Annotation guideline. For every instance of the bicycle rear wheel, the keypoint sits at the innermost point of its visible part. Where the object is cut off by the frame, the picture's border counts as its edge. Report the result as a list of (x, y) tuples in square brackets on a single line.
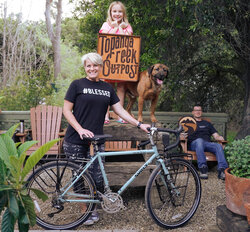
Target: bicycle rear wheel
[(172, 199), (53, 178)]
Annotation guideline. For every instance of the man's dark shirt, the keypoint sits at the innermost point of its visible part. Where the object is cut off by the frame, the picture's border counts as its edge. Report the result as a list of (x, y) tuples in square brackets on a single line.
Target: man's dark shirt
[(204, 130)]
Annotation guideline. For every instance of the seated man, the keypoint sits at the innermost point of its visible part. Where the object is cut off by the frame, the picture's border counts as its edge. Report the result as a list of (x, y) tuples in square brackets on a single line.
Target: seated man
[(200, 141)]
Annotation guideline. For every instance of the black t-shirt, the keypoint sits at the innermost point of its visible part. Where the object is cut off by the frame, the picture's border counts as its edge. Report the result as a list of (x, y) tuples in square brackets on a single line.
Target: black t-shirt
[(91, 100), (204, 130)]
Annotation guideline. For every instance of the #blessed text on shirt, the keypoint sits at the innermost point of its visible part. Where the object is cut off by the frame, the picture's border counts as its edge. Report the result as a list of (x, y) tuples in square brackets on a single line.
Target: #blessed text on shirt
[(99, 92)]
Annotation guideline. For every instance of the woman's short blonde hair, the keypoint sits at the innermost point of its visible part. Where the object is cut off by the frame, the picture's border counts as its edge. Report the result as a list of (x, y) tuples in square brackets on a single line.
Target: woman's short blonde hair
[(109, 19), (95, 58)]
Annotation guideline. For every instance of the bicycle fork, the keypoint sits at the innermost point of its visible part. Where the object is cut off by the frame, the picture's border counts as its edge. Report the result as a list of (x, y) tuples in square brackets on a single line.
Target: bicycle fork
[(167, 180)]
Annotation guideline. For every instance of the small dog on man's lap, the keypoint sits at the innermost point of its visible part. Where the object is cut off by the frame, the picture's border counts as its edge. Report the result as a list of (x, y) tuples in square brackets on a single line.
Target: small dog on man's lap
[(148, 87)]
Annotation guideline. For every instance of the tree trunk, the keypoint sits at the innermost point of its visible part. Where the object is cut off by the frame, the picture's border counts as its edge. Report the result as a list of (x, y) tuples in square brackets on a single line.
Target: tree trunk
[(245, 127), (55, 36), (4, 80)]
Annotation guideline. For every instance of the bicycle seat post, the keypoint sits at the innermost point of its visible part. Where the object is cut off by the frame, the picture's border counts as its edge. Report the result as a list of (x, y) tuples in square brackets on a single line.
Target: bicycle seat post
[(93, 147)]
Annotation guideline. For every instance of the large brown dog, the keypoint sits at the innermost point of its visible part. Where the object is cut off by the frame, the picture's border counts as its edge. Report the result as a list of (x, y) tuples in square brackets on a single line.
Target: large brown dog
[(148, 87)]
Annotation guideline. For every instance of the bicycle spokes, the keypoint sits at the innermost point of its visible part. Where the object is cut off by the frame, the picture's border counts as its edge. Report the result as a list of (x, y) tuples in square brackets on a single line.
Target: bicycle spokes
[(173, 198)]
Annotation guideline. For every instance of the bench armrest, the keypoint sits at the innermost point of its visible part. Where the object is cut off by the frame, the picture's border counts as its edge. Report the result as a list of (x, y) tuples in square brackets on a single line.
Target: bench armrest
[(223, 143), (183, 143)]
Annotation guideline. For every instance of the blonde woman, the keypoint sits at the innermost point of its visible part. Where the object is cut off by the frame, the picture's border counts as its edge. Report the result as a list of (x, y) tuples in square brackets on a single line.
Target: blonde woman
[(85, 105)]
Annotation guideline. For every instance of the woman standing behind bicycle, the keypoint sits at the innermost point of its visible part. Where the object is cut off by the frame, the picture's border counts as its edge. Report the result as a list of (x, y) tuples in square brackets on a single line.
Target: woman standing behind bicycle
[(85, 105)]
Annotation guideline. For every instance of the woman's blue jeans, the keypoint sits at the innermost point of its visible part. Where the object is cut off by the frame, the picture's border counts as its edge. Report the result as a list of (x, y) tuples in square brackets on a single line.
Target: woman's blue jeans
[(200, 146)]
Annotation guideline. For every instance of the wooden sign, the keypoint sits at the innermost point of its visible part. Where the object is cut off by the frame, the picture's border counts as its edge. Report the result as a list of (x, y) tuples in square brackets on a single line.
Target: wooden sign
[(120, 55)]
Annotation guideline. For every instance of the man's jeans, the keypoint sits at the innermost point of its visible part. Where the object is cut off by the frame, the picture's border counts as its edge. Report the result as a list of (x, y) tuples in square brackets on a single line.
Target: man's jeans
[(200, 145)]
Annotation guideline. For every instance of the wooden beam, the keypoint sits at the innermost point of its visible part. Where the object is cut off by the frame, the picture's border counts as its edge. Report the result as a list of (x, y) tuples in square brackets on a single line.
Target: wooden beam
[(119, 172)]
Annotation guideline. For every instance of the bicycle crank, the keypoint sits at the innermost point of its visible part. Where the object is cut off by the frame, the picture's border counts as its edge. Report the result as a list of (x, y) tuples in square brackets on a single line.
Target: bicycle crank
[(112, 202)]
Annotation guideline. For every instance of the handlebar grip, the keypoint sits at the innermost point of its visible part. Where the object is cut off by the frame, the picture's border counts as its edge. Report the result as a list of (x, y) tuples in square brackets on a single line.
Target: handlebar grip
[(143, 143)]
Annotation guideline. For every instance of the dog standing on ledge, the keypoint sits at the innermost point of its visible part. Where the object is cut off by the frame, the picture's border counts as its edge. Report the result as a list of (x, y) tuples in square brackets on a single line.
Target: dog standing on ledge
[(148, 87)]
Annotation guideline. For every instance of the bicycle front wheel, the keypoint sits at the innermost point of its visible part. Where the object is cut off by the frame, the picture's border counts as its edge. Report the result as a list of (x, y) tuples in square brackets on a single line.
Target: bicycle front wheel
[(172, 199), (52, 179)]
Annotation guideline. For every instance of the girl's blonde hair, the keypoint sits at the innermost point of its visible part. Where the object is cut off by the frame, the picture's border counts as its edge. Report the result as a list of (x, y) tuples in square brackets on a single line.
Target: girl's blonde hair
[(109, 19)]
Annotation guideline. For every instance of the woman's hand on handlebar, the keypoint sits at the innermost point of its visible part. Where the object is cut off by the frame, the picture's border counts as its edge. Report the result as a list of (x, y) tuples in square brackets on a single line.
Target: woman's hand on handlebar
[(145, 127), (85, 133)]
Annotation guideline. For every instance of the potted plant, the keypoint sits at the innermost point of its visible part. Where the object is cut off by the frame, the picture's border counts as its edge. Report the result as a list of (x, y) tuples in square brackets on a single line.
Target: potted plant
[(15, 200), (238, 177)]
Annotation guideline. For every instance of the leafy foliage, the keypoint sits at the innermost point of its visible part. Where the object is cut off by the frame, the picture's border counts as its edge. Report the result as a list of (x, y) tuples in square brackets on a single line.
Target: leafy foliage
[(90, 24), (71, 69), (238, 157), (28, 91), (190, 37), (15, 200), (203, 67), (71, 34)]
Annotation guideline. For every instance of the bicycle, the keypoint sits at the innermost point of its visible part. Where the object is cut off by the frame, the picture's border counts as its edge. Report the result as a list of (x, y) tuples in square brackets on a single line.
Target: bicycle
[(172, 194)]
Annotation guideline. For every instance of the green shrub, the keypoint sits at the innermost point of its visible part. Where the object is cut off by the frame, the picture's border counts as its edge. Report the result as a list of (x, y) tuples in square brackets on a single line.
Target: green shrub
[(238, 157), (27, 91), (16, 205)]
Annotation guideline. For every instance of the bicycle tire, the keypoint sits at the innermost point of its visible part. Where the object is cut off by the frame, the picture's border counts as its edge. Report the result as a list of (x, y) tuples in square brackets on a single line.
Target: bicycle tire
[(168, 209), (60, 173)]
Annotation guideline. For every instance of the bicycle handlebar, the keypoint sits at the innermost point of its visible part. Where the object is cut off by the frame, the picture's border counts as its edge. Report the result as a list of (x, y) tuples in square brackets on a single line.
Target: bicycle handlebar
[(154, 129), (177, 135), (177, 132)]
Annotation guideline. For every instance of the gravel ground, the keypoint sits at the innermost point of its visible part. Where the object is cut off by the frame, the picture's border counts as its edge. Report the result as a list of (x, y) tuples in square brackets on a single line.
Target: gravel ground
[(137, 218)]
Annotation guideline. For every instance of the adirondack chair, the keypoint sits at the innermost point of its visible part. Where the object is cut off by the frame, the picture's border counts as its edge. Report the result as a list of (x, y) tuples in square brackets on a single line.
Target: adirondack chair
[(209, 155), (45, 126)]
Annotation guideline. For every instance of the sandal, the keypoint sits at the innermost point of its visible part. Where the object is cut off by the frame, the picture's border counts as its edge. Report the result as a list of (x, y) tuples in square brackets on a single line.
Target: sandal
[(106, 122), (120, 120)]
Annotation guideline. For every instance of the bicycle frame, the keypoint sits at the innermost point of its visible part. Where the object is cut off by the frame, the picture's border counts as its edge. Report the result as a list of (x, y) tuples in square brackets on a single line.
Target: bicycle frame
[(99, 155)]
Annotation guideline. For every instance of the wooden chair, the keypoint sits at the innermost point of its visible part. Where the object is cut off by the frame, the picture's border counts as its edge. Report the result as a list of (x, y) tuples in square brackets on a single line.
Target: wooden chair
[(45, 126), (209, 155)]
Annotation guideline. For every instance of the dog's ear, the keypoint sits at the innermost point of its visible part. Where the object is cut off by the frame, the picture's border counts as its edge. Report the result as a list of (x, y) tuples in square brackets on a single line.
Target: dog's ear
[(150, 69), (167, 73)]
